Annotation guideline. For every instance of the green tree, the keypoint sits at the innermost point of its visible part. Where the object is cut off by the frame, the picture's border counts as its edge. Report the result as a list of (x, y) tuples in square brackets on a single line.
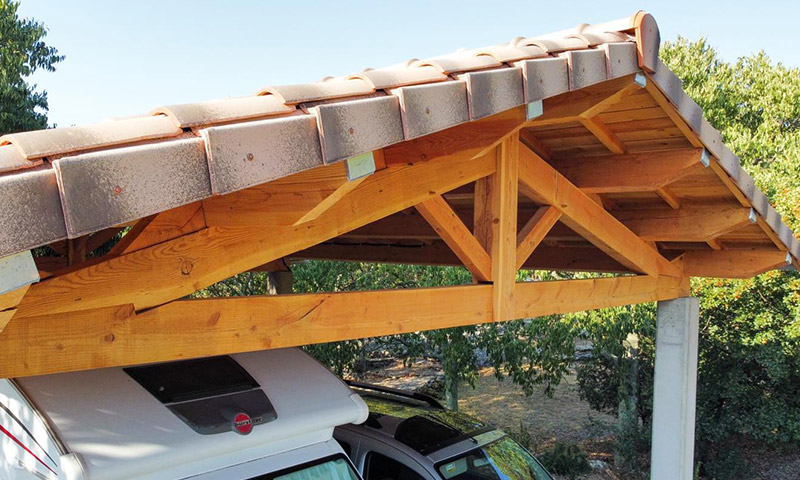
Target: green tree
[(22, 52)]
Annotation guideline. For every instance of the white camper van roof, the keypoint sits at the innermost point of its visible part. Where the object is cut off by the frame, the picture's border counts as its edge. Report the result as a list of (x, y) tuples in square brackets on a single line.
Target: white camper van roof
[(120, 430)]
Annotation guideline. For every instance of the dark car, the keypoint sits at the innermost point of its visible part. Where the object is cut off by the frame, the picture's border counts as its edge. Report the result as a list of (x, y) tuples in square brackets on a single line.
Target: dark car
[(409, 436)]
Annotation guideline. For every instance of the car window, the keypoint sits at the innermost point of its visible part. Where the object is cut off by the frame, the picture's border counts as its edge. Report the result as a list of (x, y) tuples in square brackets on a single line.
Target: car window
[(330, 468), (503, 459), (381, 467)]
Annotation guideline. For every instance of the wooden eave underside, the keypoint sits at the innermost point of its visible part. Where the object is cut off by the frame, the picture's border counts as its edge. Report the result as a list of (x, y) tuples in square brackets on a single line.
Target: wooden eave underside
[(607, 180)]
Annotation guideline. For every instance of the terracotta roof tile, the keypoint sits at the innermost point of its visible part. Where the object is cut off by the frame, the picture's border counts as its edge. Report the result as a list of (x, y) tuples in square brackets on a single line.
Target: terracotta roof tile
[(620, 59), (586, 67), (11, 159), (220, 111), (493, 91), (556, 45), (31, 215), (544, 78), (247, 154), (57, 141), (512, 51), (325, 90), (359, 126), (399, 76), (461, 61), (107, 188), (429, 108)]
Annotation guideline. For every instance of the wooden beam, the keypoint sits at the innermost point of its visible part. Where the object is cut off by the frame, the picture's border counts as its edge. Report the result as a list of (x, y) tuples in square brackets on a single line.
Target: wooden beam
[(501, 210), (173, 269), (5, 318), (13, 298), (281, 202), (545, 185), (601, 131), (689, 224), (669, 196), (536, 299), (534, 231), (585, 103), (116, 336), (457, 236), (639, 172), (96, 240), (731, 263), (474, 138), (160, 228), (583, 258), (330, 200), (77, 250)]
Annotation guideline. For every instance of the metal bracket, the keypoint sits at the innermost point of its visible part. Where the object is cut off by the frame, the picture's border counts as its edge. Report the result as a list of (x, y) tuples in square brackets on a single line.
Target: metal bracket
[(534, 109), (705, 158), (788, 258), (640, 79), (753, 216), (360, 166), (17, 271)]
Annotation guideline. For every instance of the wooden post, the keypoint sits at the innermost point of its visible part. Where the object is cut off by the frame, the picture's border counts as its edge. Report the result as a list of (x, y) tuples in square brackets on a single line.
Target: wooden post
[(496, 224)]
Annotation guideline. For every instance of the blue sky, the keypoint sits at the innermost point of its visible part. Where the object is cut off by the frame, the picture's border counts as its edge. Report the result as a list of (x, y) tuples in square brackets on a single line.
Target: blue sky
[(128, 57)]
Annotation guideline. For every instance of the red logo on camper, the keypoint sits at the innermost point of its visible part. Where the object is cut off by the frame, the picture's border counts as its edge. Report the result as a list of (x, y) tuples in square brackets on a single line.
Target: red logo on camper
[(242, 423)]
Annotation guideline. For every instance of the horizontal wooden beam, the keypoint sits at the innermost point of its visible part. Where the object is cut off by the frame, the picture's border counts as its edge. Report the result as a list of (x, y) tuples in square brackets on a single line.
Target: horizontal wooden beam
[(457, 236), (731, 263), (117, 336), (545, 185), (173, 269), (640, 172), (688, 224)]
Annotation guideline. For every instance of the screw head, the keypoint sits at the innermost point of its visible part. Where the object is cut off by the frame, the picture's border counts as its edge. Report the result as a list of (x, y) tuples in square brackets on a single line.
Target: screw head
[(352, 131), (117, 190), (428, 110), (250, 156)]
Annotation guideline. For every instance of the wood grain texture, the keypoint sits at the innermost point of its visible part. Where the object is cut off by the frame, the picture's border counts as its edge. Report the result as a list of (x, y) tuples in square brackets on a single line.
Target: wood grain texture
[(545, 185), (13, 298), (688, 224), (457, 236), (629, 173), (731, 263), (173, 269), (116, 336), (534, 231), (503, 194)]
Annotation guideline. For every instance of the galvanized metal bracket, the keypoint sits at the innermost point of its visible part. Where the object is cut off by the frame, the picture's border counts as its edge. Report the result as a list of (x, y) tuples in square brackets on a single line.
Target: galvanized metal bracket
[(534, 109), (360, 166), (753, 215), (705, 158), (640, 79), (17, 271)]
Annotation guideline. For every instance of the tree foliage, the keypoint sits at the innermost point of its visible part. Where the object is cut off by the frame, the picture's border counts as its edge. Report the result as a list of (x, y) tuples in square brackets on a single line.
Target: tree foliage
[(22, 52)]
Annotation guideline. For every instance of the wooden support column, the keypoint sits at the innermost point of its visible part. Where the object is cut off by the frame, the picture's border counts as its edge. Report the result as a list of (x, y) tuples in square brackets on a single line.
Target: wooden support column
[(496, 223)]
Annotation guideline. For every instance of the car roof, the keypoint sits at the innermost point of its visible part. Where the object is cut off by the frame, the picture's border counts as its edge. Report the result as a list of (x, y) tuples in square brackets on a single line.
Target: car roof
[(419, 424)]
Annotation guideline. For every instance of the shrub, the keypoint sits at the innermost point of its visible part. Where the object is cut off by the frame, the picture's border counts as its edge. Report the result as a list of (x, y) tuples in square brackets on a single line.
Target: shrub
[(566, 459)]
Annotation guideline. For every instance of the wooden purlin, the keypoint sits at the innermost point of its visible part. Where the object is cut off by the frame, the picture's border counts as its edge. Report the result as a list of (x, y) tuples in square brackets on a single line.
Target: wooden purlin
[(117, 335)]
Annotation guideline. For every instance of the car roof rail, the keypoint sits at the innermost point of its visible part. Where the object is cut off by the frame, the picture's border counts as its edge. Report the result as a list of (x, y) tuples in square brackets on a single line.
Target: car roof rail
[(433, 402)]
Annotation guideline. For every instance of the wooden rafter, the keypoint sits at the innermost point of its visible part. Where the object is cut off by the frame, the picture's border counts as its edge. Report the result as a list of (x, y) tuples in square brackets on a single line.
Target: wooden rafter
[(117, 335), (330, 200), (173, 269), (641, 172), (545, 185), (732, 263), (534, 231), (160, 228), (688, 224), (457, 236), (585, 103), (601, 131)]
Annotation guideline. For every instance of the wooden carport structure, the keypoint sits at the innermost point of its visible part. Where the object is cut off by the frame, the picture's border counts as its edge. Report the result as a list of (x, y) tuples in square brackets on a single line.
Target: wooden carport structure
[(574, 151)]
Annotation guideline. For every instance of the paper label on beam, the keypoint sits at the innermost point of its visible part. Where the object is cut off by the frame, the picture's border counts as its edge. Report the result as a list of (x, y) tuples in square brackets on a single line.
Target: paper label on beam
[(534, 109), (17, 271), (360, 166)]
